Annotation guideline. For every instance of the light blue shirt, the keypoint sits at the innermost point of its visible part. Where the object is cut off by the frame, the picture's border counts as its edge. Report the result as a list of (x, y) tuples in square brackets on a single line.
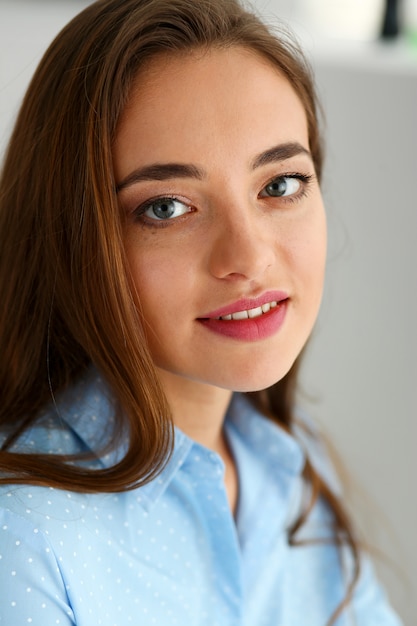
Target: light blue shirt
[(171, 552)]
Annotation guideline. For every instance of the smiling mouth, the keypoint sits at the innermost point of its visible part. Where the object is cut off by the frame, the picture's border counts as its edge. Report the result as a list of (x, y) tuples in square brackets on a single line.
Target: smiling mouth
[(250, 324), (250, 313)]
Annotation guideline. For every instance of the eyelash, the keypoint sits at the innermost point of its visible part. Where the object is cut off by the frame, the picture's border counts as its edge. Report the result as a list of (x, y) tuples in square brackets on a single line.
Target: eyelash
[(304, 179), (139, 212)]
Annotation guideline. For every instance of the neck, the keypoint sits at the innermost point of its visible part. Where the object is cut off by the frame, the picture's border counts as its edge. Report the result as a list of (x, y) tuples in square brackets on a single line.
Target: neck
[(199, 411)]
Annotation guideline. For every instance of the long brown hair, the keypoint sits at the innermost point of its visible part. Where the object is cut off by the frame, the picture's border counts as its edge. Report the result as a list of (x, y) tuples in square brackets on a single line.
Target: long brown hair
[(64, 285)]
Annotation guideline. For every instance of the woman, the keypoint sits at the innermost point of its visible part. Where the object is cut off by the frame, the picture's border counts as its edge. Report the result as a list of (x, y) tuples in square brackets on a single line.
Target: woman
[(163, 247)]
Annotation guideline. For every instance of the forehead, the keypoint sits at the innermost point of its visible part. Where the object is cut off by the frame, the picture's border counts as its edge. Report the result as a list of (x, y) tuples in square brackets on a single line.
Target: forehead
[(204, 101)]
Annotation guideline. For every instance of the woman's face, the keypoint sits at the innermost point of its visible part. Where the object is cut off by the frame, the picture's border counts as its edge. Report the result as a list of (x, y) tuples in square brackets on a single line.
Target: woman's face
[(224, 218)]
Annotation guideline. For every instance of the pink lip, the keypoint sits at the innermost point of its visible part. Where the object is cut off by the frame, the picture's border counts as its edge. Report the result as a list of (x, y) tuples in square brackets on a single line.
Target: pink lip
[(251, 329), (247, 303)]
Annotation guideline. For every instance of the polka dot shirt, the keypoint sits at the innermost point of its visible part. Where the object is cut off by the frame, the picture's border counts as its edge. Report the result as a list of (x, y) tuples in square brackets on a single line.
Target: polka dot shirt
[(171, 553)]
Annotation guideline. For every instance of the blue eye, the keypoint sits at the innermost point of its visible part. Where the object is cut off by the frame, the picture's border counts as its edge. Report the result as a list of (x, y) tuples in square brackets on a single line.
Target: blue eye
[(282, 186), (164, 209)]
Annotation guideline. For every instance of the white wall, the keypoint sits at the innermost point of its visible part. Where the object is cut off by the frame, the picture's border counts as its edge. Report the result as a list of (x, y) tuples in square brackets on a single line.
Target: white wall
[(361, 364), (26, 29)]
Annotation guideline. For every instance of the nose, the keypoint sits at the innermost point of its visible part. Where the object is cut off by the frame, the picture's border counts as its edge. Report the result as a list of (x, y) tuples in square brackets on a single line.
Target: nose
[(242, 245)]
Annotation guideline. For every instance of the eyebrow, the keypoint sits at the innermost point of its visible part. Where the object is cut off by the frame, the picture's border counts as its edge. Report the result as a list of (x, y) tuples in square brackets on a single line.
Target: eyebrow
[(282, 152), (161, 171), (166, 171)]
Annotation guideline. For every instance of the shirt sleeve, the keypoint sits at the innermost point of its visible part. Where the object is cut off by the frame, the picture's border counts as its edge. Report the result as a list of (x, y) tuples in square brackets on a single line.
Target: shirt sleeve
[(32, 589)]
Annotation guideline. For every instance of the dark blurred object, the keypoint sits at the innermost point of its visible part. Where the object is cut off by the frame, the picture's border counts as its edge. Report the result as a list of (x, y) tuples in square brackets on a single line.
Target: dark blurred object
[(391, 22)]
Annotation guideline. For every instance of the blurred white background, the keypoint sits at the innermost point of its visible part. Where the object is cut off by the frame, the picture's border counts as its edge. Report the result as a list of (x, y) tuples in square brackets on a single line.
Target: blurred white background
[(360, 371)]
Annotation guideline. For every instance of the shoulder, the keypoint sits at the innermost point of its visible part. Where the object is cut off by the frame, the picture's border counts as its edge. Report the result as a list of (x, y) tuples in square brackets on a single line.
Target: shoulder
[(40, 507), (54, 524)]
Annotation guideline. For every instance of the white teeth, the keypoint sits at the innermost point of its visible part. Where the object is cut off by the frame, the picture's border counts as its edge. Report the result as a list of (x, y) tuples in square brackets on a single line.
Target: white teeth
[(251, 313), (240, 315)]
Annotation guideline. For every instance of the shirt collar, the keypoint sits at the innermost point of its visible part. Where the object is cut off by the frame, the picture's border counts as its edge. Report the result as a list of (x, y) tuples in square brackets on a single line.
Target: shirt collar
[(88, 409), (266, 438)]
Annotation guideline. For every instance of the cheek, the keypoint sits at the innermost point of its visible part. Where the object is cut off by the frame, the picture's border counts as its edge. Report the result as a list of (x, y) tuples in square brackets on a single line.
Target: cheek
[(159, 274), (306, 251)]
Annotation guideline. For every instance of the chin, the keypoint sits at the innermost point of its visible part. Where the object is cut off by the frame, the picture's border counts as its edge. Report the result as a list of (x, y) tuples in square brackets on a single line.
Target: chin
[(256, 380)]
